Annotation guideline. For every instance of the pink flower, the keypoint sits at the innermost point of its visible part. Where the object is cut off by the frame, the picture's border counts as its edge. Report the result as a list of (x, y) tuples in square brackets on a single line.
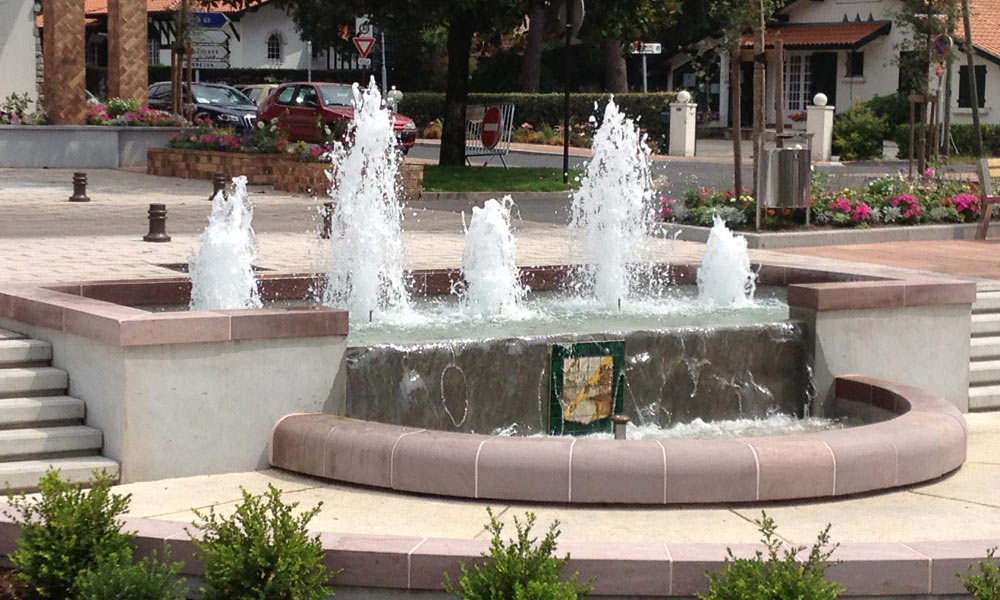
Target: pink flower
[(842, 204), (964, 202), (929, 173), (862, 212)]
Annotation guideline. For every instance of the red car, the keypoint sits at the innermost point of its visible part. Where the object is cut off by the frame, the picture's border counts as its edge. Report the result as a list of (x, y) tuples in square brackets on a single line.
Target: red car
[(302, 105)]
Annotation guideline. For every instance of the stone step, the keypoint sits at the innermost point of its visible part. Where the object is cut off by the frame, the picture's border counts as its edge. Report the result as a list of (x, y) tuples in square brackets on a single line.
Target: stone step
[(32, 381), (24, 474), (982, 348), (986, 324), (24, 351), (40, 411), (987, 302), (985, 397), (6, 334), (982, 372), (41, 441)]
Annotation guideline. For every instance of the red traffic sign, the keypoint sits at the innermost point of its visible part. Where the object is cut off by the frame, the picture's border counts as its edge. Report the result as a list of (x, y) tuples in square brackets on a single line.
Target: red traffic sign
[(364, 45), (942, 45), (939, 71), (491, 127)]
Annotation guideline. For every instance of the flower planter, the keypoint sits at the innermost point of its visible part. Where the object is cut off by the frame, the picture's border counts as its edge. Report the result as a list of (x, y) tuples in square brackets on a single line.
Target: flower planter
[(203, 164), (79, 146), (285, 174)]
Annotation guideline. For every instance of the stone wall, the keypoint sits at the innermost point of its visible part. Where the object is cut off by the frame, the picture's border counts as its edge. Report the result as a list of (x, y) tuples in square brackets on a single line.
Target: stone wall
[(285, 174), (203, 164)]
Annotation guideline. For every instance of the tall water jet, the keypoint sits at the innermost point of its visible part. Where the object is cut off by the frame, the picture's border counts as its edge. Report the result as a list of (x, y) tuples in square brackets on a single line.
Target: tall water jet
[(612, 210), (365, 275), (222, 269), (492, 280), (725, 277)]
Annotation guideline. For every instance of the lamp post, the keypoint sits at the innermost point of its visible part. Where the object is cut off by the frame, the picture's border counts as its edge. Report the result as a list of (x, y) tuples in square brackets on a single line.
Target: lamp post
[(392, 99)]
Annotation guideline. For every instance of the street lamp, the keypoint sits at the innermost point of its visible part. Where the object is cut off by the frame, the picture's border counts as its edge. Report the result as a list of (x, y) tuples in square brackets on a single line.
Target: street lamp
[(392, 99)]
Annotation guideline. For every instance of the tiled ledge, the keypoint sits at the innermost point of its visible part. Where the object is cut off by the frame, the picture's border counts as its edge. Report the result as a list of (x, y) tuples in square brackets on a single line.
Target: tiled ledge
[(926, 440), (109, 312), (881, 294), (660, 569)]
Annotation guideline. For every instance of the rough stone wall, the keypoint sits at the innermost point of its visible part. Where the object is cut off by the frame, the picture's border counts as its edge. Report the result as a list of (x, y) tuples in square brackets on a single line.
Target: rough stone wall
[(65, 71), (128, 54)]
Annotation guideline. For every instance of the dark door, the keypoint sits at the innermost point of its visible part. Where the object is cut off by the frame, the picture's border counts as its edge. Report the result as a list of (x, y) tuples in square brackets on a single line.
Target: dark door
[(746, 96), (824, 76)]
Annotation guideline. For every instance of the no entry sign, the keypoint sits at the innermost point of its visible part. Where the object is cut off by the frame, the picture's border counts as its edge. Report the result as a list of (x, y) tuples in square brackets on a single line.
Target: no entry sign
[(491, 127)]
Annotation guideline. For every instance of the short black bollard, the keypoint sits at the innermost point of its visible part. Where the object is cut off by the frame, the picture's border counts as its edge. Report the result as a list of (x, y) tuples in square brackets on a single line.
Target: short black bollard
[(157, 224), (218, 185), (79, 188), (327, 221)]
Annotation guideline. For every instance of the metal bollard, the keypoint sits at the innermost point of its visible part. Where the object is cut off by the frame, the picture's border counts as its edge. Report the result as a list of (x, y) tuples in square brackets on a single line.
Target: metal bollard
[(327, 221), (79, 188), (620, 424), (157, 224), (218, 185)]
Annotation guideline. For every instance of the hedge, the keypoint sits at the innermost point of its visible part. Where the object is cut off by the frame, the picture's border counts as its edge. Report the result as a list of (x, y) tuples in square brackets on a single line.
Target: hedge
[(961, 135), (547, 109)]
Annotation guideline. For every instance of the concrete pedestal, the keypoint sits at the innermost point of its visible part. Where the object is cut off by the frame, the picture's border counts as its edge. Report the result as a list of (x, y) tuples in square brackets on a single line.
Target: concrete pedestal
[(682, 124), (819, 123)]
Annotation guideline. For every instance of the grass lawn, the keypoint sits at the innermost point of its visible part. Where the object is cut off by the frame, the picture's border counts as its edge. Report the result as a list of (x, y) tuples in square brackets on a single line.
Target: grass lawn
[(496, 179)]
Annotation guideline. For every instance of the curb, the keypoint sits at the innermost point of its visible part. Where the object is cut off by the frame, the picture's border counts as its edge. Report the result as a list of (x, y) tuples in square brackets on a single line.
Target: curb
[(478, 198), (830, 237)]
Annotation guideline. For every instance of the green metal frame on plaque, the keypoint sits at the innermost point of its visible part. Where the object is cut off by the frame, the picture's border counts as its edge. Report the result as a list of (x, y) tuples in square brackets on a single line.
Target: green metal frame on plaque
[(592, 376)]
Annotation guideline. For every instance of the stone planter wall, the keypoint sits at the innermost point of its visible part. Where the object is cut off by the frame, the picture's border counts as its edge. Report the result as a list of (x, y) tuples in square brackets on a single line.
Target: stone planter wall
[(203, 164), (79, 146), (284, 174)]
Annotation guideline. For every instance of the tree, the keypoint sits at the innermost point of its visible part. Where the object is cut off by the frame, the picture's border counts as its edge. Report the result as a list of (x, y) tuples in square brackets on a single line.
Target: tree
[(615, 23), (531, 71)]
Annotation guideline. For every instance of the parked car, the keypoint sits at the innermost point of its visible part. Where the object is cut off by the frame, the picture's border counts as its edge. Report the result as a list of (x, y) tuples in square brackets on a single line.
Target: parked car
[(224, 105), (305, 108), (258, 92)]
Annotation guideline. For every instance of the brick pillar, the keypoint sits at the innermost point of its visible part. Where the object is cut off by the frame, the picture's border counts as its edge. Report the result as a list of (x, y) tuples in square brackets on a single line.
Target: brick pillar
[(65, 70), (128, 54)]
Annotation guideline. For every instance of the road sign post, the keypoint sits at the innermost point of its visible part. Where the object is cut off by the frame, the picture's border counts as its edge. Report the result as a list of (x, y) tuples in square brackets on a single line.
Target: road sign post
[(645, 48)]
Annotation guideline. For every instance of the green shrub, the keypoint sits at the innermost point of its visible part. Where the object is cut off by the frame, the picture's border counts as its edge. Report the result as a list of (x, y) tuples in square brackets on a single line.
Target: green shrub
[(262, 552), (117, 107), (894, 108), (115, 578), (518, 569), (858, 133), (962, 136), (547, 109), (64, 530), (776, 577), (984, 585)]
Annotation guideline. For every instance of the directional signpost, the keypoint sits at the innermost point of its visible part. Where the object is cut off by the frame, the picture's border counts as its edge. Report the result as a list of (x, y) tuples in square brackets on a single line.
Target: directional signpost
[(211, 49), (645, 48)]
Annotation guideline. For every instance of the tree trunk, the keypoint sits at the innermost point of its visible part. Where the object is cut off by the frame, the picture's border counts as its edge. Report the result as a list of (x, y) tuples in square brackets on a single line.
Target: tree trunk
[(531, 72), (460, 32), (615, 73)]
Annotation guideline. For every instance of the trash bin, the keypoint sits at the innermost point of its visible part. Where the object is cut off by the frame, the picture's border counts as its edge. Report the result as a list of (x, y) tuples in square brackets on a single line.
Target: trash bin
[(787, 178)]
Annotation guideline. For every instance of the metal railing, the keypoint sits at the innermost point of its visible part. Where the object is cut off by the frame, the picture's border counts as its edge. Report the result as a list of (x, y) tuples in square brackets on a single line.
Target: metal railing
[(474, 133)]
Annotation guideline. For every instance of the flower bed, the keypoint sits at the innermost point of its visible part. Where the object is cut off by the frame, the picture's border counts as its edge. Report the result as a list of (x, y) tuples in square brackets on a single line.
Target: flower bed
[(887, 201), (203, 164)]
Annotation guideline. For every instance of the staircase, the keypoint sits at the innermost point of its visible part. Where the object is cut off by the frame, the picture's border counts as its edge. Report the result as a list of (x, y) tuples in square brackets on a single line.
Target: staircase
[(40, 426)]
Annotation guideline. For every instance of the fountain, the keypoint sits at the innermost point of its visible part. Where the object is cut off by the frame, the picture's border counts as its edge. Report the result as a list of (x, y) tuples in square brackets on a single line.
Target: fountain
[(492, 280), (222, 269), (725, 277), (612, 210), (366, 247)]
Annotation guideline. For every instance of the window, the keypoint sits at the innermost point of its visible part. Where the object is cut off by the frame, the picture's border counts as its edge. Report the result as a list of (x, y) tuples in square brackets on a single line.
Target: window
[(285, 95), (307, 96), (798, 78), (274, 46), (153, 50), (963, 86), (855, 64)]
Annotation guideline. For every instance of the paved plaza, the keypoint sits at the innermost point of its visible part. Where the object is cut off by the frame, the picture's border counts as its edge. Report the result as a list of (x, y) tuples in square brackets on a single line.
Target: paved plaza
[(44, 238)]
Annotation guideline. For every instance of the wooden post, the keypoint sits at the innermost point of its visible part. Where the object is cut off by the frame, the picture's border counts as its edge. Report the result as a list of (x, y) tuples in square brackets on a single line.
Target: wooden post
[(922, 150), (987, 211), (913, 132), (779, 88), (735, 110)]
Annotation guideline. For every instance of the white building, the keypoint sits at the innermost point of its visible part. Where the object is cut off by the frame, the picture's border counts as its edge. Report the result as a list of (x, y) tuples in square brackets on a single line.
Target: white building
[(17, 49), (852, 49)]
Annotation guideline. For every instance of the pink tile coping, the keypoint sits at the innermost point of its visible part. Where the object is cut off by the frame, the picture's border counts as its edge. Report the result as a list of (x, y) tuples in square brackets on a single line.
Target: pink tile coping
[(924, 440), (111, 311), (657, 568)]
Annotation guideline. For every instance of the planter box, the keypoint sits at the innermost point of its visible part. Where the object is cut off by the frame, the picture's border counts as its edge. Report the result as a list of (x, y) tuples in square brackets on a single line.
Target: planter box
[(284, 174), (79, 146), (203, 164)]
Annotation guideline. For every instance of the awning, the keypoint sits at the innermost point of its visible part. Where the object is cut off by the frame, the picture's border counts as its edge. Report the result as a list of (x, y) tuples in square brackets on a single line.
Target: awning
[(823, 36)]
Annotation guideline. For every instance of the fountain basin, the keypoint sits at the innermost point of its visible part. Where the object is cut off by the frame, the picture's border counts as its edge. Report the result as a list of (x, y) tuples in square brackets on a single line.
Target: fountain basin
[(924, 439), (240, 372)]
